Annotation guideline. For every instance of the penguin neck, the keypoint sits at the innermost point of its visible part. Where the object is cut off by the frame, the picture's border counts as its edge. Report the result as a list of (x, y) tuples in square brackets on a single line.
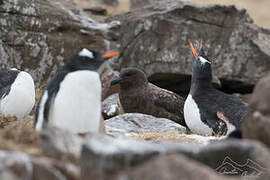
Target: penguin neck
[(200, 81)]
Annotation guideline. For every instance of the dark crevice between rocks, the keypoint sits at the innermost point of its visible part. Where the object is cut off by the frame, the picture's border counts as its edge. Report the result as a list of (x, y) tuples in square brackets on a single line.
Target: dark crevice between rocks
[(180, 84), (231, 86)]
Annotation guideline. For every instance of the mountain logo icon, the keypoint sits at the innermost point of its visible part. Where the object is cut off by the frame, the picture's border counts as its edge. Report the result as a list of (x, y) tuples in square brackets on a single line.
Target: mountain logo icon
[(248, 169)]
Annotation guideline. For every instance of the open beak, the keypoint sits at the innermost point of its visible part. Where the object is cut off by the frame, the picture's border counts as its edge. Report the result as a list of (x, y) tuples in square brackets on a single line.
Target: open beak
[(110, 54), (200, 45), (115, 81), (193, 51)]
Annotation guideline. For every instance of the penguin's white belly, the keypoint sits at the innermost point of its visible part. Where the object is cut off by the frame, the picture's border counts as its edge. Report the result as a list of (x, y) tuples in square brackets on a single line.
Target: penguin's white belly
[(77, 105), (21, 97), (193, 118)]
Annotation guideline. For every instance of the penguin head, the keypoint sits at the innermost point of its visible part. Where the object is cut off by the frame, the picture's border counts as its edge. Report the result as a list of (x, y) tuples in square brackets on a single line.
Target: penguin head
[(201, 64), (130, 78), (87, 59)]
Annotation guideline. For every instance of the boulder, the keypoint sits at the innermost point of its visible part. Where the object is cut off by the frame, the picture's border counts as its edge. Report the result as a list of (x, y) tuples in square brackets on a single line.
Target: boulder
[(99, 156), (61, 145), (156, 39), (171, 167), (111, 106), (38, 36), (17, 165), (104, 157), (134, 123), (256, 124), (139, 3)]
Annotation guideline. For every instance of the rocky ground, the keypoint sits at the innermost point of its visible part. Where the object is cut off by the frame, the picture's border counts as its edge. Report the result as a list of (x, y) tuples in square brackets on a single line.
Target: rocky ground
[(38, 36)]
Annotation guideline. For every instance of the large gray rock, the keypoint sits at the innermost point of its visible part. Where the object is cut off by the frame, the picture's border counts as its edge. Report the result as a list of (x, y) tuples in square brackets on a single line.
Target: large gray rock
[(156, 39), (173, 167), (61, 145), (17, 165), (103, 157), (38, 36), (256, 124), (135, 123)]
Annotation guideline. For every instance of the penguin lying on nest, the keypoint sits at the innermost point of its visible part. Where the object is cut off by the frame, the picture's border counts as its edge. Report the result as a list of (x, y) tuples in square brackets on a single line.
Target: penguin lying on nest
[(208, 111), (72, 99)]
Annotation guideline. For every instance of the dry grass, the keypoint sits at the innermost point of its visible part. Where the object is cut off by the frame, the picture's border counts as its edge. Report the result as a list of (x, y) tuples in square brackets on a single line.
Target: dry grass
[(168, 136), (19, 135), (175, 137), (165, 136)]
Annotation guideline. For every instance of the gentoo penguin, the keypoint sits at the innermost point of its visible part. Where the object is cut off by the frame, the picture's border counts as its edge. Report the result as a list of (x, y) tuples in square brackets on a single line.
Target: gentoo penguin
[(138, 95), (208, 111), (72, 99), (17, 93)]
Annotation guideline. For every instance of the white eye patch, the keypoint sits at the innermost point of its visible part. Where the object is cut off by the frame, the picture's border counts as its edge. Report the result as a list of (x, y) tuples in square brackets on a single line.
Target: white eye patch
[(203, 60), (86, 53)]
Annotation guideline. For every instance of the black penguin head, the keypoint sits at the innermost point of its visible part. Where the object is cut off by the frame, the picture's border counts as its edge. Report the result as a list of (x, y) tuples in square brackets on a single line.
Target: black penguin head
[(87, 59), (201, 64), (130, 78)]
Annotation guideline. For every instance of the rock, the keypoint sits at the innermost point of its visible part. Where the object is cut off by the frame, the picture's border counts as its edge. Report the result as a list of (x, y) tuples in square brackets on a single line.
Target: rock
[(171, 167), (109, 2), (96, 10), (156, 38), (139, 3), (111, 106), (17, 165), (108, 71), (61, 145), (135, 123), (103, 157), (38, 36), (256, 124)]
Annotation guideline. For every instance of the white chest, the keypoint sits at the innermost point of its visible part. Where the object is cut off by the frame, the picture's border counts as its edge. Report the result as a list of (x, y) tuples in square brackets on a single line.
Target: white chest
[(21, 98), (77, 105), (193, 118)]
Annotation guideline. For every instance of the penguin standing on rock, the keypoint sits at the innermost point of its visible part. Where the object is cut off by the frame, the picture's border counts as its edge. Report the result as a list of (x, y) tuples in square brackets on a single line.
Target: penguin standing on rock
[(208, 111), (17, 93), (72, 100)]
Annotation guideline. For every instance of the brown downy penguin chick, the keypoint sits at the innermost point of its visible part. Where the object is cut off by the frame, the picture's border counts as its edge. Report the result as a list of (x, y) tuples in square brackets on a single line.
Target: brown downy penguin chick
[(140, 96)]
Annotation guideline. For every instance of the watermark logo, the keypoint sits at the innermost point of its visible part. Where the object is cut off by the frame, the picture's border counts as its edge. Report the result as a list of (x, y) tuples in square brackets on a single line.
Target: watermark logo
[(248, 169)]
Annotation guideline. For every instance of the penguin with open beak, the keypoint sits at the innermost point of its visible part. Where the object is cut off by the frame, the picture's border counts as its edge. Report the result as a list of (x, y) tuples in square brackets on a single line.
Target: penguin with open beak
[(72, 99), (208, 111)]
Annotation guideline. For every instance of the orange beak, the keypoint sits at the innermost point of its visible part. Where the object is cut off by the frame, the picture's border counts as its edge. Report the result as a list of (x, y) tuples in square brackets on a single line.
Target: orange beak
[(110, 54), (193, 51), (200, 45)]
